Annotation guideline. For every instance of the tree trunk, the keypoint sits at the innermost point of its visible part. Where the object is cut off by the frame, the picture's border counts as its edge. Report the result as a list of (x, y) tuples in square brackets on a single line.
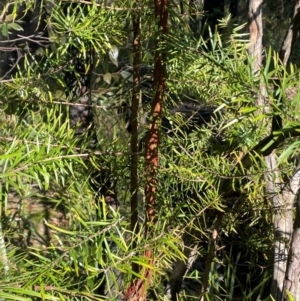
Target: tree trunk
[(256, 35), (283, 202), (292, 278), (282, 224), (275, 190)]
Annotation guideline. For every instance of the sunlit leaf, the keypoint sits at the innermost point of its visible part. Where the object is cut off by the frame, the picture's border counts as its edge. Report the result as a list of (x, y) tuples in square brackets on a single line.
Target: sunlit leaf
[(113, 54), (107, 77)]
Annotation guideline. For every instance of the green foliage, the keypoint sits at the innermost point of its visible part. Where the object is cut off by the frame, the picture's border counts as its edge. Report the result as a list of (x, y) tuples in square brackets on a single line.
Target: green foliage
[(54, 244), (50, 230)]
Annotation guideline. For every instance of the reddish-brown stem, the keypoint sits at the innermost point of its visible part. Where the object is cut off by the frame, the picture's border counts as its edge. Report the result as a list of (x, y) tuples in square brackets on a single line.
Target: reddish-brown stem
[(137, 290), (152, 141)]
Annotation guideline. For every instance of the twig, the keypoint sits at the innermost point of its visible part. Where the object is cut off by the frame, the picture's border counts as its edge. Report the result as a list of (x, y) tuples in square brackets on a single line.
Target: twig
[(211, 254)]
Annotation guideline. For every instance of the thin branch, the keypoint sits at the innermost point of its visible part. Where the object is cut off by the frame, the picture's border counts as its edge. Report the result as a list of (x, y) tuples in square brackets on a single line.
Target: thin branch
[(211, 254), (134, 129), (30, 38)]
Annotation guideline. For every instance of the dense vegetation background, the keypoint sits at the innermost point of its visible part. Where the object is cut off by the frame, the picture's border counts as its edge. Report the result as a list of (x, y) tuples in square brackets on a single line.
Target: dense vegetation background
[(186, 114)]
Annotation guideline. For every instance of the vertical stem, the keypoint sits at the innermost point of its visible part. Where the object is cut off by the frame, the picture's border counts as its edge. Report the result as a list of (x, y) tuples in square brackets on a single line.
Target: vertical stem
[(137, 290), (152, 141), (134, 127), (153, 137)]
